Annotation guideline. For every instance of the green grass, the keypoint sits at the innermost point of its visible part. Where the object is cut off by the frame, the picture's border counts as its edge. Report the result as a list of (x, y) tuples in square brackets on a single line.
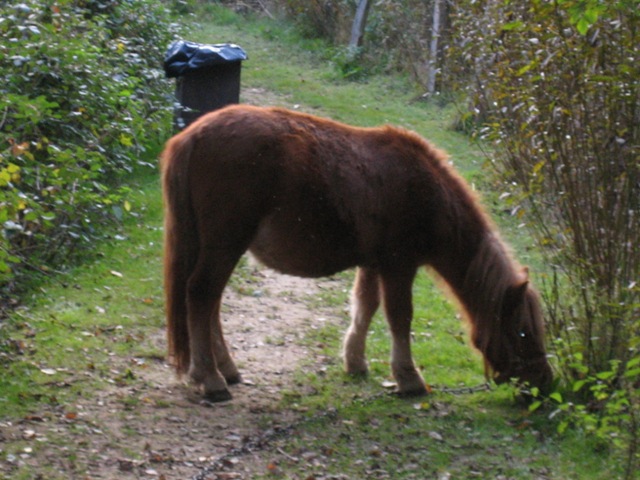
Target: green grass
[(62, 338), (93, 311), (392, 438)]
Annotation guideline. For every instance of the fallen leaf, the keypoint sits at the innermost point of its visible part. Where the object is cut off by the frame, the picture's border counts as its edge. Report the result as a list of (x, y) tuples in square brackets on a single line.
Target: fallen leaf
[(115, 273), (375, 452), (48, 371), (524, 425), (34, 418)]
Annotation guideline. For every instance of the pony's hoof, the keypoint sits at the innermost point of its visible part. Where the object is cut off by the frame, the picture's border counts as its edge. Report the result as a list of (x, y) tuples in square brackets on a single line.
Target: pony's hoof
[(356, 367), (413, 392), (234, 379), (357, 372), (217, 396)]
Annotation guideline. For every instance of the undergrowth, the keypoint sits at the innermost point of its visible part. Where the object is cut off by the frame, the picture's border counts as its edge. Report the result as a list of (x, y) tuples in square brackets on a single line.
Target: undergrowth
[(82, 98)]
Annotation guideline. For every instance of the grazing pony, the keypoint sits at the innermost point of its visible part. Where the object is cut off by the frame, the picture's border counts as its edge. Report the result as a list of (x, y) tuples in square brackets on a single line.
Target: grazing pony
[(311, 197)]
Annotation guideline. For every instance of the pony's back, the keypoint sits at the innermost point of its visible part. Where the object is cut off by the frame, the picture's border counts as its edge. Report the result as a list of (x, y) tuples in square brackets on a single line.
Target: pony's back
[(311, 185)]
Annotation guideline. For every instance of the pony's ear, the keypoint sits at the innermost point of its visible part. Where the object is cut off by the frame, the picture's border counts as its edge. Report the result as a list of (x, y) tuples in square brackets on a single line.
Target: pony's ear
[(518, 291), (515, 295)]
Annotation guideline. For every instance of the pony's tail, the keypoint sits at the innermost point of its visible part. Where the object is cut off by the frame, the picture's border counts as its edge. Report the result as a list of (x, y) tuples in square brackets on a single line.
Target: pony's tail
[(180, 247)]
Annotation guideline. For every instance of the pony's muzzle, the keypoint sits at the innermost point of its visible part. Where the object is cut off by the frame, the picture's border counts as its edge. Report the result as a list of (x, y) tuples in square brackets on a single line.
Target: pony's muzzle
[(534, 374)]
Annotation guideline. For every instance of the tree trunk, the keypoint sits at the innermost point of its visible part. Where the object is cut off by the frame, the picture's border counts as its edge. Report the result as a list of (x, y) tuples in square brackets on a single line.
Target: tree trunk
[(433, 50), (359, 23)]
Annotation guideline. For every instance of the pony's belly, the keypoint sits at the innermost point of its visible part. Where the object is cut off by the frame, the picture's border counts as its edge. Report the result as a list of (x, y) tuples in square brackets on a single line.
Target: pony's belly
[(302, 251)]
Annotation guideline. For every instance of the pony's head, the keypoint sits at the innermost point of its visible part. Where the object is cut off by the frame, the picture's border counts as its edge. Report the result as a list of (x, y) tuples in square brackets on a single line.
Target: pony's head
[(513, 347)]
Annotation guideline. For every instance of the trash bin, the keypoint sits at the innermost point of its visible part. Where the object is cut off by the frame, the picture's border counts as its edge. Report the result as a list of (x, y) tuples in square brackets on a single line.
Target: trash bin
[(207, 78)]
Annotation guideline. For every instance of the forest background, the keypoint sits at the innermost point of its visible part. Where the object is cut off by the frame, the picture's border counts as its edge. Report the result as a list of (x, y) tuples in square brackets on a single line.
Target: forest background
[(550, 89)]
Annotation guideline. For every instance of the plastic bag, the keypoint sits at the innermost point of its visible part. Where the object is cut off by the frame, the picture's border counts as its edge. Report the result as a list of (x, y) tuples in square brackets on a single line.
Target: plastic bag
[(183, 57)]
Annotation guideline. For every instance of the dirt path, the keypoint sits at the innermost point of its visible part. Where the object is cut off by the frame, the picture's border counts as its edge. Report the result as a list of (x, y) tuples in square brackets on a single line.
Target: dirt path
[(150, 425)]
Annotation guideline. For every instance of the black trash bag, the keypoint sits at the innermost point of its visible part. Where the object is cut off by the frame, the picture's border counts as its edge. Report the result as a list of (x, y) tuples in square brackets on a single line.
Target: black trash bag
[(184, 57)]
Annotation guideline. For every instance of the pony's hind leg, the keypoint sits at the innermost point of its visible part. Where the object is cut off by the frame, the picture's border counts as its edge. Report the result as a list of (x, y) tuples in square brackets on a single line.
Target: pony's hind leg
[(225, 363), (396, 291), (208, 350), (365, 299)]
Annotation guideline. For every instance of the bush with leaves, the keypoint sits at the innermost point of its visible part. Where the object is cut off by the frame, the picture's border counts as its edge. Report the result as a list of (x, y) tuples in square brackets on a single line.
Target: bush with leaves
[(82, 97), (320, 18), (556, 87)]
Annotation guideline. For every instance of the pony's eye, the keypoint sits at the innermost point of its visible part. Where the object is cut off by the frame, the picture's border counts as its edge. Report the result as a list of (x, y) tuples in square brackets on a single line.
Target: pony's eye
[(522, 334)]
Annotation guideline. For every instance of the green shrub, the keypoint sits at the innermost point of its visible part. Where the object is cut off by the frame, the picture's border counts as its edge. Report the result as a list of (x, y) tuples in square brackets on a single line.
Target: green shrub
[(554, 86), (82, 97), (330, 20)]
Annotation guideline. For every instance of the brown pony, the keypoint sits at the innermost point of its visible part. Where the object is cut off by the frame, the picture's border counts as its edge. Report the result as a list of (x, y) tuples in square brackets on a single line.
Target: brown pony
[(311, 197)]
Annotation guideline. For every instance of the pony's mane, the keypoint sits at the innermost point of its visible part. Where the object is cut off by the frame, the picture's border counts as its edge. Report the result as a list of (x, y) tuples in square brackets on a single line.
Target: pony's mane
[(490, 274), (492, 269)]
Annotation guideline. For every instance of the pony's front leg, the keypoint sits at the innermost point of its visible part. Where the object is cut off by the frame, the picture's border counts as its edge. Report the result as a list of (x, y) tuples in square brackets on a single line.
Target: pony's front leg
[(396, 290), (365, 299)]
